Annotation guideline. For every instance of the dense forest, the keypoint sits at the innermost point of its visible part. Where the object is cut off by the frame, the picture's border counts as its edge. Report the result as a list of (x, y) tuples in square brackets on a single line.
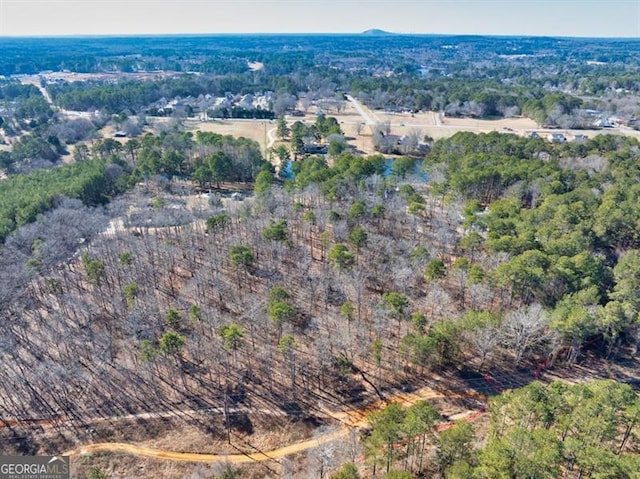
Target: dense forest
[(227, 54), (541, 431)]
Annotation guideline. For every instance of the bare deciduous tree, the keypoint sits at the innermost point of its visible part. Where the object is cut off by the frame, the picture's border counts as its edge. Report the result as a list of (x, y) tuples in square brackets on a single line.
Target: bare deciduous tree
[(524, 329)]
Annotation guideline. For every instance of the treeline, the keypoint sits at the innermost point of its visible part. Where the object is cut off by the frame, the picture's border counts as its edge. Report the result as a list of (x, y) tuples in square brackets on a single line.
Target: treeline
[(31, 149), (333, 181), (142, 96), (129, 95), (108, 168), (456, 96), (205, 158), (10, 91), (244, 113), (100, 54), (24, 197), (542, 431), (22, 107), (39, 136), (42, 146), (465, 96)]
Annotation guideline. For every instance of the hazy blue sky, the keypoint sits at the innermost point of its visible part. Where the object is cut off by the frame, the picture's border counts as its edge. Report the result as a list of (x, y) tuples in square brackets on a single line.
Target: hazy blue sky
[(610, 18)]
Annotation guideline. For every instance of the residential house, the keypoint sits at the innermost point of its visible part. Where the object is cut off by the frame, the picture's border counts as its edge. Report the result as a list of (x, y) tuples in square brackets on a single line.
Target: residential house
[(556, 138)]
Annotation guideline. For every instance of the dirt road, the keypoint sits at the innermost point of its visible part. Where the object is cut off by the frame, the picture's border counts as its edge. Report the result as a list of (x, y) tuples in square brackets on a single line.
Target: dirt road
[(210, 458), (350, 420), (360, 109), (35, 80), (271, 137)]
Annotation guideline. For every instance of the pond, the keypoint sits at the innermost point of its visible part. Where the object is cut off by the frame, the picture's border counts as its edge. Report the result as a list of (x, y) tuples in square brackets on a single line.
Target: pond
[(286, 173), (417, 170)]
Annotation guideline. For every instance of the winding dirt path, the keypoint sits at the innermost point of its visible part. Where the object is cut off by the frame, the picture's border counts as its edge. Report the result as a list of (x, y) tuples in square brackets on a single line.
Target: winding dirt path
[(271, 137), (349, 419)]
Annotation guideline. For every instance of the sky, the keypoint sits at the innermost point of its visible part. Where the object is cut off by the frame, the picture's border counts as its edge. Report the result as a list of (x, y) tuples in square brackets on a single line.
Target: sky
[(582, 18)]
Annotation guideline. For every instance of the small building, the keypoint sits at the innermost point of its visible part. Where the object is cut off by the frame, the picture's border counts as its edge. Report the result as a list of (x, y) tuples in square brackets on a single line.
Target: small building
[(604, 123), (315, 149), (533, 134), (580, 138), (556, 138)]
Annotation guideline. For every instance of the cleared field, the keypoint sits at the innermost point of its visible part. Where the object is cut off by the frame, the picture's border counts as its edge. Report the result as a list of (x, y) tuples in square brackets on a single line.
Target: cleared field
[(75, 76), (253, 129)]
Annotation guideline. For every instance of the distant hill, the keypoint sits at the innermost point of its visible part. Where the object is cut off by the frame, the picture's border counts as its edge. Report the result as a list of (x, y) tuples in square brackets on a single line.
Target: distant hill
[(376, 32)]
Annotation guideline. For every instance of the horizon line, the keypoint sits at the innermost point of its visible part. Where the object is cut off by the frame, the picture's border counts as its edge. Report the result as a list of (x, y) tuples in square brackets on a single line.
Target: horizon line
[(374, 33)]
